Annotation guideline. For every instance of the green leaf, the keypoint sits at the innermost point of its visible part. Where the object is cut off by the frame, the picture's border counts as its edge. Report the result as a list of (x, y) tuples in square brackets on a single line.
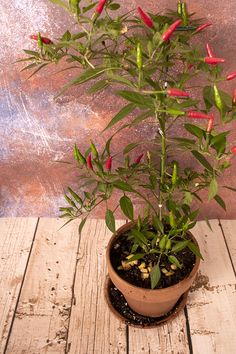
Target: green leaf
[(31, 52), (213, 189), (75, 196), (81, 225), (175, 261), (110, 221), (89, 7), (136, 257), (157, 224), (188, 198), (123, 186), (130, 147), (185, 142), (155, 276), (127, 207), (179, 246), (208, 223), (208, 96), (69, 201), (139, 236), (194, 130), (137, 98), (37, 70), (218, 142), (220, 201), (113, 7), (203, 161), (141, 117), (60, 3), (195, 249), (99, 86), (87, 75), (121, 115)]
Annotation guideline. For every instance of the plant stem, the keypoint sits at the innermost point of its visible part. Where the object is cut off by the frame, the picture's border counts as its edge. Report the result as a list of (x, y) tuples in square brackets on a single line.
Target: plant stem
[(163, 160)]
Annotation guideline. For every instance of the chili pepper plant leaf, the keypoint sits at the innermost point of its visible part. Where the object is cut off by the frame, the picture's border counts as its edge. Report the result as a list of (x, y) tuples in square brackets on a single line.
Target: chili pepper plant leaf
[(155, 276), (110, 221), (213, 189), (127, 207), (124, 112)]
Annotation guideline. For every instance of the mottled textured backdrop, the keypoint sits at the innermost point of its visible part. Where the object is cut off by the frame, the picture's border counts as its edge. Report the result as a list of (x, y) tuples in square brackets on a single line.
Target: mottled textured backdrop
[(36, 131)]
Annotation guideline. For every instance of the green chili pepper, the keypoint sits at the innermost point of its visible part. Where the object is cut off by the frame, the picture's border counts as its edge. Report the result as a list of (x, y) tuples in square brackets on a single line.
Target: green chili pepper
[(172, 219), (184, 13), (93, 149), (78, 156), (218, 100), (168, 245), (139, 56), (174, 173), (179, 8), (162, 242), (40, 42), (127, 161)]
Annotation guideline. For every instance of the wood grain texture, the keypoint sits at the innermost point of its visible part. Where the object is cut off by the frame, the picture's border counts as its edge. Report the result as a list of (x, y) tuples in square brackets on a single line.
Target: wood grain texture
[(42, 316), (93, 328), (16, 237), (229, 230), (170, 338), (211, 304)]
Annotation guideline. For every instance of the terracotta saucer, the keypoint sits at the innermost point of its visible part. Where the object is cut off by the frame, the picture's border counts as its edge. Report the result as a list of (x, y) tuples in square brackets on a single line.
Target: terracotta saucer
[(148, 322)]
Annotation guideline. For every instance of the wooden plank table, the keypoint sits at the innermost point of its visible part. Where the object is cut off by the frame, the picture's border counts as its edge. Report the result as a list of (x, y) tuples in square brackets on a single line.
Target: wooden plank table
[(51, 294)]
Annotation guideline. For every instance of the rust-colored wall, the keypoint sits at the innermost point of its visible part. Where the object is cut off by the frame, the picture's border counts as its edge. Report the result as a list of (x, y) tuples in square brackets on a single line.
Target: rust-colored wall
[(36, 131)]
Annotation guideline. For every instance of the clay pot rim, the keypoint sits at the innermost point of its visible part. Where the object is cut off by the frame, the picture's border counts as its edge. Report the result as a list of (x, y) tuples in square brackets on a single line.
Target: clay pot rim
[(162, 291)]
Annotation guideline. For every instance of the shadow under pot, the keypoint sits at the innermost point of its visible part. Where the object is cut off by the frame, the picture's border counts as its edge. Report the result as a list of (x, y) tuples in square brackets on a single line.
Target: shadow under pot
[(149, 302)]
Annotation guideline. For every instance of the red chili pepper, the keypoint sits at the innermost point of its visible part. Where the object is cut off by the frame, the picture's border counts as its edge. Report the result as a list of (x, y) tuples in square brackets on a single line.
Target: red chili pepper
[(210, 124), (197, 115), (146, 19), (209, 51), (89, 162), (174, 92), (233, 150), (139, 158), (213, 61), (100, 6), (231, 76), (109, 163), (45, 40), (170, 30), (202, 27)]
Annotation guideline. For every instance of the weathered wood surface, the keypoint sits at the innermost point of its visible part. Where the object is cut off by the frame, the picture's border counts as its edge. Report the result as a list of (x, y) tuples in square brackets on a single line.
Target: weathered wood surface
[(57, 303), (212, 301), (42, 317), (229, 232), (93, 329), (16, 237)]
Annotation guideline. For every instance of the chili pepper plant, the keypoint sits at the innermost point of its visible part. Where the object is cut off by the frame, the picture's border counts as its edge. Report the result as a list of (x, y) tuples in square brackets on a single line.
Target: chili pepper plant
[(152, 61)]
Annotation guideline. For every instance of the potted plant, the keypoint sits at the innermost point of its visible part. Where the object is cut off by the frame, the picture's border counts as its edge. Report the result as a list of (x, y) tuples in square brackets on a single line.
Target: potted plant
[(154, 60)]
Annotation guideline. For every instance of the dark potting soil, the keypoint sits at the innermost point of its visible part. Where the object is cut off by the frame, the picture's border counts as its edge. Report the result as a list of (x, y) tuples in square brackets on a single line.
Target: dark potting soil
[(131, 317), (122, 248)]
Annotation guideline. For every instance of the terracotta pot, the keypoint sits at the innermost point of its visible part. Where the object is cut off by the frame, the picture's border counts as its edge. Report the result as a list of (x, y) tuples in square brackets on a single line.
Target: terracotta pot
[(148, 302)]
